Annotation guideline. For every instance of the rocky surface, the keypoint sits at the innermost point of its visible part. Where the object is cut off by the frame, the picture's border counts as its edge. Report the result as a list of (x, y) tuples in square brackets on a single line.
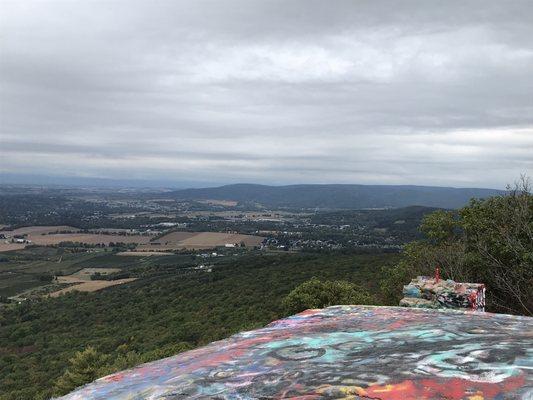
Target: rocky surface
[(355, 352)]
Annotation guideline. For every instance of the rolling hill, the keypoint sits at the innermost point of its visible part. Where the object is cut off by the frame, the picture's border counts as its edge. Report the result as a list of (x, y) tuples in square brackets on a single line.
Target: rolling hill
[(338, 196)]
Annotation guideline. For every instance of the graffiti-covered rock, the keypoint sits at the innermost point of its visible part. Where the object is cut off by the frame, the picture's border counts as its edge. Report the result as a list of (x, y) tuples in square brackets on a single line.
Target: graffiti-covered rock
[(355, 352), (427, 292)]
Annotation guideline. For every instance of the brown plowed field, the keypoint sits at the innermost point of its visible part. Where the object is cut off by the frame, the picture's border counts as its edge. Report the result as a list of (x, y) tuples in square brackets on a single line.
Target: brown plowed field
[(38, 230), (88, 286), (11, 246), (39, 235), (199, 240), (89, 238), (174, 237)]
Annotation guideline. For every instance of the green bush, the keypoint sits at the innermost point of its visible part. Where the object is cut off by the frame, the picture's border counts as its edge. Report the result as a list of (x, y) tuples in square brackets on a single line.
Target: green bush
[(319, 294), (84, 368), (489, 241)]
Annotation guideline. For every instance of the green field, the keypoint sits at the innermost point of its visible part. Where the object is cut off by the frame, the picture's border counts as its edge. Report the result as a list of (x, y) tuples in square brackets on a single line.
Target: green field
[(23, 269)]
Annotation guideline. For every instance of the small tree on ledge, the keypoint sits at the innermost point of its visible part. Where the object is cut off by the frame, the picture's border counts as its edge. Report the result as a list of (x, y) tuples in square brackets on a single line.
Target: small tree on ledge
[(317, 294)]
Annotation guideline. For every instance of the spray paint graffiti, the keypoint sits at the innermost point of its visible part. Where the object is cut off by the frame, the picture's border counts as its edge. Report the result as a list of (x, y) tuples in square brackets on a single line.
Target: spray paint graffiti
[(352, 352), (427, 292)]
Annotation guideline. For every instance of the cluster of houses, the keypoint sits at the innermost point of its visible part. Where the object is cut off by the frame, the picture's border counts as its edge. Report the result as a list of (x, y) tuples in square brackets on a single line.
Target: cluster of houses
[(19, 239)]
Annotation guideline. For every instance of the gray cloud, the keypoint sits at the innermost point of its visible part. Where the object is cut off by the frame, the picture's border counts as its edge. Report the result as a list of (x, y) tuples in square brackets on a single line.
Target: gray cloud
[(269, 91)]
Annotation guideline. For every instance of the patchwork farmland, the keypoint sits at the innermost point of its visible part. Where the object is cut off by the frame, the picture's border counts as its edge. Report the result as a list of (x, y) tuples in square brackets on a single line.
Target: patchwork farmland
[(54, 235), (81, 281), (35, 272), (200, 240), (34, 255)]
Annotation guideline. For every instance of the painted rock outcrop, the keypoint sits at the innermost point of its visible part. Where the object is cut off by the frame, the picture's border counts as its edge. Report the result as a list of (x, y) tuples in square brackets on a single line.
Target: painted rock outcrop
[(356, 352), (427, 292)]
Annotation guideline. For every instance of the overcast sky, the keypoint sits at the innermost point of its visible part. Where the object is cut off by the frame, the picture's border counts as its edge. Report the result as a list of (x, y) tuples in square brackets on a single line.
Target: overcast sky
[(289, 91)]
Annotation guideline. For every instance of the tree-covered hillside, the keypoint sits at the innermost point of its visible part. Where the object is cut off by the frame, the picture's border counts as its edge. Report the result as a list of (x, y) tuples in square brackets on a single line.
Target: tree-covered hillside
[(163, 312), (489, 242)]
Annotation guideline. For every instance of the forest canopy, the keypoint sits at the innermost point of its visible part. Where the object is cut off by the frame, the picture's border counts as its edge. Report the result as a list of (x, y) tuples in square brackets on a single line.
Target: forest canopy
[(489, 241)]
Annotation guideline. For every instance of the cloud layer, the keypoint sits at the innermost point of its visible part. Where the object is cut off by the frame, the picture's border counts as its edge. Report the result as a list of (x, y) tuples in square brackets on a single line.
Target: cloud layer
[(269, 91)]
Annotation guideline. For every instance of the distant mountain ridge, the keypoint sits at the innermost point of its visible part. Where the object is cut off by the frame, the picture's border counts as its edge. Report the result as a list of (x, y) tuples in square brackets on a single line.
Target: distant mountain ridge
[(337, 196)]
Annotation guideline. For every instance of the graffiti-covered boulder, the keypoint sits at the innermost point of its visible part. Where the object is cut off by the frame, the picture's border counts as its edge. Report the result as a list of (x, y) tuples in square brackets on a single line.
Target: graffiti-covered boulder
[(355, 352), (428, 292)]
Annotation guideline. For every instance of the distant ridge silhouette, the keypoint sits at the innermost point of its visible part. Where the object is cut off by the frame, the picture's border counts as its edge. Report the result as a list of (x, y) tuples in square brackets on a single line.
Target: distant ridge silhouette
[(336, 196)]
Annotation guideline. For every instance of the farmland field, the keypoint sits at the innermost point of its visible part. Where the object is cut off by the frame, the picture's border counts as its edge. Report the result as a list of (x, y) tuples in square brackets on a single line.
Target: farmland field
[(199, 240), (81, 284), (32, 231), (86, 273), (213, 239), (11, 246), (47, 235), (173, 238), (89, 238), (38, 230), (24, 269), (143, 253)]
